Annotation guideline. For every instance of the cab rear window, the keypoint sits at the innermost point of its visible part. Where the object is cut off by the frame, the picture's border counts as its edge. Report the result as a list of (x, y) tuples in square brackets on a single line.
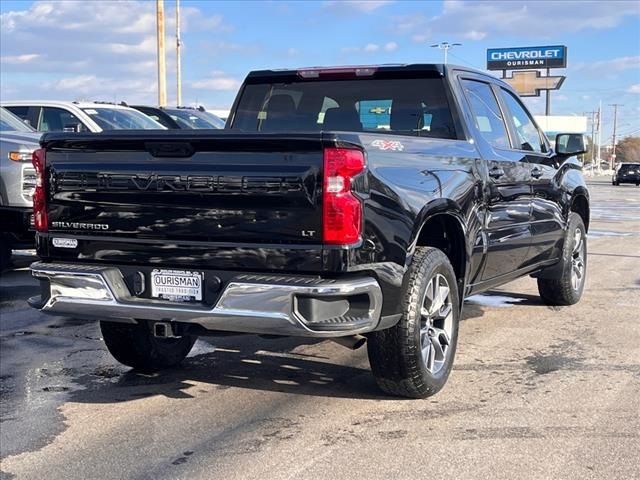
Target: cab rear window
[(403, 106)]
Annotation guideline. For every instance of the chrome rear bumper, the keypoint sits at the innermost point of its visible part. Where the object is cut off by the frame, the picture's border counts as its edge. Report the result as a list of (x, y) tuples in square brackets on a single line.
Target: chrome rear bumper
[(277, 305)]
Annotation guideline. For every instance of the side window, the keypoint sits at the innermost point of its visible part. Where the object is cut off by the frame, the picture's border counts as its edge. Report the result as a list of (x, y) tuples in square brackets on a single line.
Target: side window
[(22, 112), (58, 120), (158, 118), (528, 136), (486, 113)]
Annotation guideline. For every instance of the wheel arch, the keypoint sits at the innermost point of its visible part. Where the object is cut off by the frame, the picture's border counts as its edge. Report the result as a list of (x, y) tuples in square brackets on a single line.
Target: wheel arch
[(580, 205), (442, 226)]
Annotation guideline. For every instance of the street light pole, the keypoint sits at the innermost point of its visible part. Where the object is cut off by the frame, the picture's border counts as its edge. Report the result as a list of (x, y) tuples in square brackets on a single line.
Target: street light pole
[(445, 46), (162, 69), (178, 60)]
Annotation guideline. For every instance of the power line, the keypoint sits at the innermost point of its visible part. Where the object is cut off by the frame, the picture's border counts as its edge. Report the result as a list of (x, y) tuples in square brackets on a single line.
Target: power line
[(466, 61)]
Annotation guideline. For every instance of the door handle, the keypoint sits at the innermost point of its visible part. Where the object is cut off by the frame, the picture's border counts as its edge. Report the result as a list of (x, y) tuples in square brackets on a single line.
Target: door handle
[(496, 172), (536, 173)]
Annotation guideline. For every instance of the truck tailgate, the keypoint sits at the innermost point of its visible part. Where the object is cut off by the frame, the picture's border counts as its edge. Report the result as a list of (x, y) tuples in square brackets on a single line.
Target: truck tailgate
[(176, 194)]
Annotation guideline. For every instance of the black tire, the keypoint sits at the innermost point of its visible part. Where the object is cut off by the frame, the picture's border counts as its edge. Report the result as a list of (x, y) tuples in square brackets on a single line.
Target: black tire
[(563, 290), (135, 346), (5, 255), (396, 354)]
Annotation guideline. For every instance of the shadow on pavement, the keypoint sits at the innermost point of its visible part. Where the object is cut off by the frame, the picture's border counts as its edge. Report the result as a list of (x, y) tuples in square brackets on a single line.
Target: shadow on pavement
[(246, 362), (242, 361)]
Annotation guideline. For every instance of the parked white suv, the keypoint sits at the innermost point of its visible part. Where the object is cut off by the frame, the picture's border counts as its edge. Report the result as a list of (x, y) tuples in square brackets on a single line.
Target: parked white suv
[(54, 116)]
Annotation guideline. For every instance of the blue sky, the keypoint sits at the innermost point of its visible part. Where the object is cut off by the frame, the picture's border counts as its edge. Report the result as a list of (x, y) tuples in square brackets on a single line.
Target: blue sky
[(106, 49)]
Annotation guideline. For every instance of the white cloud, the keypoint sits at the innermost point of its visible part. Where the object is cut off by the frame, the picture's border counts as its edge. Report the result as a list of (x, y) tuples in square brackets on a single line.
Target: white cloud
[(17, 59), (371, 48), (475, 35), (81, 83), (635, 88), (217, 81), (475, 20), (390, 47), (420, 38), (292, 52), (361, 6), (97, 49), (222, 47), (147, 45), (610, 65)]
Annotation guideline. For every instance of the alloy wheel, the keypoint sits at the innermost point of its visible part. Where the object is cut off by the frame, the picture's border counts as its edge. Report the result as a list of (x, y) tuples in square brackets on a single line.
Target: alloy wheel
[(436, 323), (577, 260)]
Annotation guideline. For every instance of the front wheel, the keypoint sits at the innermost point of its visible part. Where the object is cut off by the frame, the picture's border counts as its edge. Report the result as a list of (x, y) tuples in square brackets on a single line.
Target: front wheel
[(135, 345), (414, 358), (567, 288), (5, 254)]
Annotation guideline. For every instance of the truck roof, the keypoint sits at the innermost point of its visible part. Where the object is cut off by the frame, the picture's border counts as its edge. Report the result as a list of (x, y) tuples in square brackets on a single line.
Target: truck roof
[(438, 69)]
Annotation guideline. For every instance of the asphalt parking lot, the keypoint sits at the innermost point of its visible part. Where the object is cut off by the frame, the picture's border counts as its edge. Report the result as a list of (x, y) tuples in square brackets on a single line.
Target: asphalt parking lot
[(536, 392)]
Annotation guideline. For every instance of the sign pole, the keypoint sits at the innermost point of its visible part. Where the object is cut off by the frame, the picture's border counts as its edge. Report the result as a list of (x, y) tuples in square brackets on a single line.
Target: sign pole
[(548, 103)]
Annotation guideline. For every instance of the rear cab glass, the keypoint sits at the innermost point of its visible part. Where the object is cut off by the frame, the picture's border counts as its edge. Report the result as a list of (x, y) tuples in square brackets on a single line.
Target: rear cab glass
[(630, 167), (406, 106)]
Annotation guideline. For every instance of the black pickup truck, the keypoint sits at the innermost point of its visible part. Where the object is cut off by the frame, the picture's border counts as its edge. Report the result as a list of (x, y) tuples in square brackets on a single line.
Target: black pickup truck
[(354, 203)]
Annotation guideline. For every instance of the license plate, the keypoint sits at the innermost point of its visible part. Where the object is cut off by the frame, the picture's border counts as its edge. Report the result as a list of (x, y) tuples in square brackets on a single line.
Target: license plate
[(177, 285)]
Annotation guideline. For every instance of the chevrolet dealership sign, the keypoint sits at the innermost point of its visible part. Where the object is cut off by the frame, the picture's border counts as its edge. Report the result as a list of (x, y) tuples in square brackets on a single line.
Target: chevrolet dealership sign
[(526, 58)]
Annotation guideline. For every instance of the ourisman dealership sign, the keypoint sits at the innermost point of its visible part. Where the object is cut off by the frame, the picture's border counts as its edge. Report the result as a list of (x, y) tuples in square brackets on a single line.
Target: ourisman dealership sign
[(527, 58)]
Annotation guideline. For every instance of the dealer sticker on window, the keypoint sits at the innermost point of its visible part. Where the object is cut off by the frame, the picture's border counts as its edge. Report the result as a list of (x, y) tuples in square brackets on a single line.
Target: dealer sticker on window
[(177, 285)]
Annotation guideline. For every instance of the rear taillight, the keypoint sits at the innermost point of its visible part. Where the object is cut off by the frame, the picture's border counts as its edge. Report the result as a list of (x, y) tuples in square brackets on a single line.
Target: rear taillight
[(40, 217), (342, 210)]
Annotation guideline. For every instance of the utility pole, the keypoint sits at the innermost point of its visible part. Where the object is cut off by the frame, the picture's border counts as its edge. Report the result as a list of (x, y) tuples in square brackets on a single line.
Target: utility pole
[(547, 106), (445, 46), (178, 61), (593, 143), (162, 69), (613, 140), (599, 134)]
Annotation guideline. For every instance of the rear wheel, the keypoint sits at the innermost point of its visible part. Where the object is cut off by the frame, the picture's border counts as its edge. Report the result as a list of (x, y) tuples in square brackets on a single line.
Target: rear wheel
[(567, 288), (414, 358), (135, 345)]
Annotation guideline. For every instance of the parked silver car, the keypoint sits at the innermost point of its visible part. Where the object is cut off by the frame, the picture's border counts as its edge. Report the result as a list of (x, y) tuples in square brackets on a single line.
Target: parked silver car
[(58, 116), (17, 182)]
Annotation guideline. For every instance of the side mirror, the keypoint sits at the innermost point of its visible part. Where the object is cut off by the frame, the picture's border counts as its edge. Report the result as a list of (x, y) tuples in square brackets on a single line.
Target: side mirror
[(569, 144)]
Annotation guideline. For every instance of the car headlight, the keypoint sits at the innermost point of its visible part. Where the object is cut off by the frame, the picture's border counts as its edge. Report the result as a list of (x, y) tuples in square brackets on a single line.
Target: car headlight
[(20, 156)]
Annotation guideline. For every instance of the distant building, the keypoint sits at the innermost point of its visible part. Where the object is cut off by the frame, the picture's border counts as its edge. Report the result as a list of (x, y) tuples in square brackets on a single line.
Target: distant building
[(554, 124)]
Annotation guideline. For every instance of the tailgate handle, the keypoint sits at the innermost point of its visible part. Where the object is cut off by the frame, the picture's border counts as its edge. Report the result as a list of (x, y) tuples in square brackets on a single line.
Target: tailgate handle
[(169, 149)]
